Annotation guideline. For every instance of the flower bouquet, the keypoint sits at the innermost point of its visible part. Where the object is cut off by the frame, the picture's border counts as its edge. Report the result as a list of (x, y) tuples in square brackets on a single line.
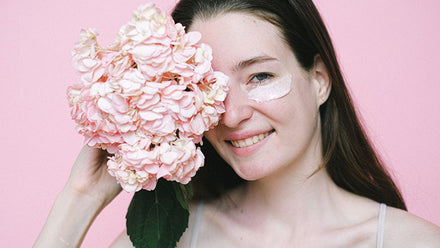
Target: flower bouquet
[(147, 99)]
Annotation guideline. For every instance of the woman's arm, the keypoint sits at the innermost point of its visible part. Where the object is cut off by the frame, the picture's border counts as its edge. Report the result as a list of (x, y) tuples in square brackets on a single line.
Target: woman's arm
[(68, 221), (89, 189)]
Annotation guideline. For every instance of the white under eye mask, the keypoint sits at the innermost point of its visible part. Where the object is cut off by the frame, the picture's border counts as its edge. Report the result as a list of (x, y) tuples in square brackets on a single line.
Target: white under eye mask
[(274, 90)]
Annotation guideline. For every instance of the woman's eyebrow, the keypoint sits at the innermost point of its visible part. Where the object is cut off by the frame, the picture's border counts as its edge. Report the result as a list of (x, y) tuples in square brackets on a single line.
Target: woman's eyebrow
[(254, 60)]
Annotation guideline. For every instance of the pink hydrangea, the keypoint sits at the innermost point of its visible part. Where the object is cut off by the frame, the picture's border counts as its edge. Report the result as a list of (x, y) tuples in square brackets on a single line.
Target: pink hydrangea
[(147, 99)]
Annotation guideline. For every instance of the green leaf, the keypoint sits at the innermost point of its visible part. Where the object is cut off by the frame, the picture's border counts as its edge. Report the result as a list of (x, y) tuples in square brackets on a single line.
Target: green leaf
[(158, 218), (187, 193)]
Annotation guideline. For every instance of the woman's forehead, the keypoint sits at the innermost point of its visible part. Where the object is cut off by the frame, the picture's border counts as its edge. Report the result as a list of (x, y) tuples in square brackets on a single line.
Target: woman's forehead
[(236, 37)]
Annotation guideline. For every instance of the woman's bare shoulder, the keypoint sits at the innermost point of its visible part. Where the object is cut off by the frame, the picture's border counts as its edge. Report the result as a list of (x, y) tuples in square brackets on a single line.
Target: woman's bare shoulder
[(403, 229)]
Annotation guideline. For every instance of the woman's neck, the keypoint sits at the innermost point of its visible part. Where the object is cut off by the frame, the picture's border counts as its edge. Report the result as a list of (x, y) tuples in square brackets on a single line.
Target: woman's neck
[(313, 202), (297, 200)]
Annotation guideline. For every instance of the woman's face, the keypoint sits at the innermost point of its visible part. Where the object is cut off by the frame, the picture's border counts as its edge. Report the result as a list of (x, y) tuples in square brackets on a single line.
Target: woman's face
[(263, 137)]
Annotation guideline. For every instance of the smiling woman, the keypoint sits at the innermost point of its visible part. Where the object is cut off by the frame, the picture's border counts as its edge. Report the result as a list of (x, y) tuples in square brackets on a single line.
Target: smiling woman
[(289, 164), (289, 122), (307, 56), (308, 167)]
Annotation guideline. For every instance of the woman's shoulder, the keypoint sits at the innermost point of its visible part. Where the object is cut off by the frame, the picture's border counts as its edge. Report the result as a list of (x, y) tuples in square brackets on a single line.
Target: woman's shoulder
[(403, 229)]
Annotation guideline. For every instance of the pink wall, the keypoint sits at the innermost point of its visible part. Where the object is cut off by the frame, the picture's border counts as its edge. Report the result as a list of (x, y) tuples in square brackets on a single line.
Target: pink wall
[(388, 51)]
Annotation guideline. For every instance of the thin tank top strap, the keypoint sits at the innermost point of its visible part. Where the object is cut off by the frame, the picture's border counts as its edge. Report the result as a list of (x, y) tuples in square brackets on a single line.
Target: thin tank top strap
[(381, 225), (197, 220)]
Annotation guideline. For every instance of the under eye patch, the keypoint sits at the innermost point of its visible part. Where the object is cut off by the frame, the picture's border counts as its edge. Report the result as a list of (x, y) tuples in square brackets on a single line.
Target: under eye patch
[(274, 90)]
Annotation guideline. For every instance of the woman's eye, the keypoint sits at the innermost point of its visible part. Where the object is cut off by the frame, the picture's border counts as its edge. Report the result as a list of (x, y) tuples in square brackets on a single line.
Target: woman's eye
[(260, 78)]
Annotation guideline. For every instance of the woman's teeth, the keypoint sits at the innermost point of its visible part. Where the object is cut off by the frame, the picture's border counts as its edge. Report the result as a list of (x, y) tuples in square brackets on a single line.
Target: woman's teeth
[(249, 141)]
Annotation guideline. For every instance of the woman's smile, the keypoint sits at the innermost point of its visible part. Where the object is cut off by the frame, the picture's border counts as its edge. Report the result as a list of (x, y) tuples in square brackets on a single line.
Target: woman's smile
[(242, 143)]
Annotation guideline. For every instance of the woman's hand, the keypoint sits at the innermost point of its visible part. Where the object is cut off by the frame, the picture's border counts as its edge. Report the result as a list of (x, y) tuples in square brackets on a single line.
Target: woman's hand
[(89, 176)]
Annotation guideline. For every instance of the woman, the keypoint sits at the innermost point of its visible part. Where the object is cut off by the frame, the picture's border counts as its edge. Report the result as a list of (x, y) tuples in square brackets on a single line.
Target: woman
[(303, 172)]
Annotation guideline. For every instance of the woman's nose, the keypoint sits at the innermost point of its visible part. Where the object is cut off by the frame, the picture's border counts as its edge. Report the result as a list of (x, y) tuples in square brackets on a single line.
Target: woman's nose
[(237, 106)]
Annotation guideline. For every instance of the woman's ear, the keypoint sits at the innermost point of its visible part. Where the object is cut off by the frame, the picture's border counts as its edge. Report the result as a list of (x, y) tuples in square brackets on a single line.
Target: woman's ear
[(321, 80)]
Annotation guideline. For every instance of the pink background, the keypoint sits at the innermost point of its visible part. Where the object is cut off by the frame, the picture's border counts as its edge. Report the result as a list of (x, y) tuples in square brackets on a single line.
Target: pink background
[(388, 51)]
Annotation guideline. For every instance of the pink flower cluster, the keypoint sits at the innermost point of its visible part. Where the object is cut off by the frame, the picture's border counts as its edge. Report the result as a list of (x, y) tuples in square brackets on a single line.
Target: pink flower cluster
[(147, 98)]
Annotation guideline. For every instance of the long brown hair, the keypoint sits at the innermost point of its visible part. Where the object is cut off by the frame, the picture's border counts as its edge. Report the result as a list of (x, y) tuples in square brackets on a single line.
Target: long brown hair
[(349, 157)]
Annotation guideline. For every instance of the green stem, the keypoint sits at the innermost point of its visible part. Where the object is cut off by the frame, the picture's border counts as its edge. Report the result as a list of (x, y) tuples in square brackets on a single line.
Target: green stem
[(157, 213)]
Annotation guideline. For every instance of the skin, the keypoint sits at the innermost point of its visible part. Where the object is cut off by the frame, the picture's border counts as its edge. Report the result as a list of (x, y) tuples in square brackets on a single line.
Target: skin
[(282, 205)]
